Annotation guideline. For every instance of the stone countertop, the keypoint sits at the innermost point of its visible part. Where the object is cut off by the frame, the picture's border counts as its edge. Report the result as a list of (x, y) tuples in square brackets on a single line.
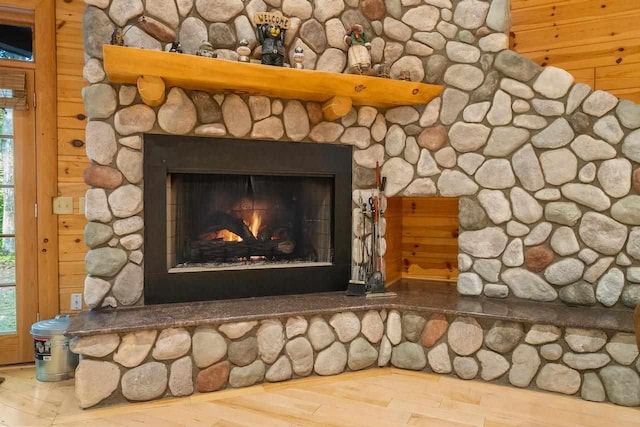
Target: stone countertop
[(417, 296)]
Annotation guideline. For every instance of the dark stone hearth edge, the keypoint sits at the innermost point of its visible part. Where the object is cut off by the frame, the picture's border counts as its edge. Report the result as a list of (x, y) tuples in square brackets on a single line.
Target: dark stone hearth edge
[(157, 362), (430, 298)]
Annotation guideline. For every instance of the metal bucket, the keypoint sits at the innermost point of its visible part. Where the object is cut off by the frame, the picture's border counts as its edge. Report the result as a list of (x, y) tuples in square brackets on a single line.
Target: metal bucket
[(54, 359)]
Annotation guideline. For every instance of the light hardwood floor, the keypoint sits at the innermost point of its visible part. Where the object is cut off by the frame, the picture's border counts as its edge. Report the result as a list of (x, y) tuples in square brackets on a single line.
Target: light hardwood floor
[(382, 397)]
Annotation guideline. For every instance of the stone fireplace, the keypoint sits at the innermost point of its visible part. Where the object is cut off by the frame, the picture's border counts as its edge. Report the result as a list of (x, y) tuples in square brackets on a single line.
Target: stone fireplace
[(545, 169), (244, 218)]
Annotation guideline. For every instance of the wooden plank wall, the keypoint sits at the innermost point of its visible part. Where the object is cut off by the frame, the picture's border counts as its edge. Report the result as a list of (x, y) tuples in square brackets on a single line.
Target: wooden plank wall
[(430, 238), (428, 248), (393, 256), (72, 160), (598, 41)]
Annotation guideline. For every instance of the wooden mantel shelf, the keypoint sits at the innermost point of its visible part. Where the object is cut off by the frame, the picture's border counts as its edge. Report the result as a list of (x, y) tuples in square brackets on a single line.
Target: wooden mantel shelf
[(337, 91)]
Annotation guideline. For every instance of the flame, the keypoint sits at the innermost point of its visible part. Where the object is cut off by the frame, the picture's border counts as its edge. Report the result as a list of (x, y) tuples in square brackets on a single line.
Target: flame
[(256, 222), (229, 236), (225, 235)]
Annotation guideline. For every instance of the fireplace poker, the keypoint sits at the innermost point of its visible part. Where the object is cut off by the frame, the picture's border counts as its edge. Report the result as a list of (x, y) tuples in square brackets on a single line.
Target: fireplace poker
[(376, 280), (381, 187), (363, 271), (381, 291), (383, 184), (372, 255)]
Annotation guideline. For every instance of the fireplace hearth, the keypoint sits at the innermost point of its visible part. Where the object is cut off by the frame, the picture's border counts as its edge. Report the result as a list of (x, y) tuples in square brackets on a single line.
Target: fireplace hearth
[(234, 218)]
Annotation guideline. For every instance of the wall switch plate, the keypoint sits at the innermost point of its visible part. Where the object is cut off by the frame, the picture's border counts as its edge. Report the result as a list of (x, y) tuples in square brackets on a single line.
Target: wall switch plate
[(81, 201), (62, 205), (76, 301)]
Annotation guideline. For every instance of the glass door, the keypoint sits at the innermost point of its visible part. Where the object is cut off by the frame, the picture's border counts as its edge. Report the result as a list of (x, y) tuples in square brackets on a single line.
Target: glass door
[(18, 251), (8, 318)]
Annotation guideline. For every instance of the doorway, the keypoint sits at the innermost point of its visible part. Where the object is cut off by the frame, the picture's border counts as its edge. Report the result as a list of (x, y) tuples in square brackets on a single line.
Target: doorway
[(28, 173)]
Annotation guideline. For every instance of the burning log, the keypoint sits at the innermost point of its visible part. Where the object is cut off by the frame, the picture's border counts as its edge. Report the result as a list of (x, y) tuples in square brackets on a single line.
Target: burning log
[(224, 221), (209, 250), (239, 236)]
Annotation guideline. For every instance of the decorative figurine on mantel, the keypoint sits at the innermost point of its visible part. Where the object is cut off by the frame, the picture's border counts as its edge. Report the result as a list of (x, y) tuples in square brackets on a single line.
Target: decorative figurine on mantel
[(271, 32), (359, 46), (206, 50), (117, 37), (405, 75), (243, 51), (383, 70), (298, 58), (175, 47)]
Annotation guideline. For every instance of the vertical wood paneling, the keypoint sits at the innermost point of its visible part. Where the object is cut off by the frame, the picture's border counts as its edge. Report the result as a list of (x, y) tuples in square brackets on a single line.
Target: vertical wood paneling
[(430, 238), (422, 238), (72, 160), (598, 41), (46, 153), (393, 256)]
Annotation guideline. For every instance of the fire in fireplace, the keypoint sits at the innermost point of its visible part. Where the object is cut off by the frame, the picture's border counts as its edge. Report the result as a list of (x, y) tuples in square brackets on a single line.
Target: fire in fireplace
[(236, 221), (231, 218)]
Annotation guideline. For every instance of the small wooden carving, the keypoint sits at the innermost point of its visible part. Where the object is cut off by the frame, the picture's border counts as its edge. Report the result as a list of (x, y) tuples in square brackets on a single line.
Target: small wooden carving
[(405, 75), (359, 57), (298, 58), (271, 34), (206, 50), (243, 51), (117, 37)]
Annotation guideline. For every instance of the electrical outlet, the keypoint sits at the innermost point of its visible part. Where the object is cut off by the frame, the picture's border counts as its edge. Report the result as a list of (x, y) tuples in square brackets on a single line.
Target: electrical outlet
[(81, 202), (63, 205), (76, 301)]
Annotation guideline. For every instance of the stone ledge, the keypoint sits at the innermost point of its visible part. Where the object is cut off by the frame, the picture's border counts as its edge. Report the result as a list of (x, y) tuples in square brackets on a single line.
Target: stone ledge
[(423, 297), (171, 362)]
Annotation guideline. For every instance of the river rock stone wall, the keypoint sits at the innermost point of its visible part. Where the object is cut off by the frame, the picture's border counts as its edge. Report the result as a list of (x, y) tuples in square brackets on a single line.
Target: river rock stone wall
[(546, 170), (149, 364)]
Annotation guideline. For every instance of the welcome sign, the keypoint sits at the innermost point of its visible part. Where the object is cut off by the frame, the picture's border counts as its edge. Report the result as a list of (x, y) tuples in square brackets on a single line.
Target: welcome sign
[(272, 19)]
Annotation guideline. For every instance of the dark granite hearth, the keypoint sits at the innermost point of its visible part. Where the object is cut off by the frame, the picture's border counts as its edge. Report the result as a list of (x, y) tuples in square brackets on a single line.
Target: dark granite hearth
[(418, 296)]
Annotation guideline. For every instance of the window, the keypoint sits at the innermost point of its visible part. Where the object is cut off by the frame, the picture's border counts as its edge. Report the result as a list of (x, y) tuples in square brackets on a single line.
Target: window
[(16, 42), (7, 225)]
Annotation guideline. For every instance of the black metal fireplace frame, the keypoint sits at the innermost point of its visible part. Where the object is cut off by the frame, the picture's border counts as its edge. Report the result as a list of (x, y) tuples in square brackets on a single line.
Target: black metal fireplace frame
[(165, 154)]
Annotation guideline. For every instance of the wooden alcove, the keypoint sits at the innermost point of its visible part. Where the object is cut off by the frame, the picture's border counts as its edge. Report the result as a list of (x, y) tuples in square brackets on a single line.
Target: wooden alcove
[(153, 70), (422, 239)]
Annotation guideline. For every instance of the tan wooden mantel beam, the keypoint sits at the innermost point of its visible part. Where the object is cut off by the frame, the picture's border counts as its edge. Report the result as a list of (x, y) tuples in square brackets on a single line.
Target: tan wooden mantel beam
[(336, 107), (151, 89), (151, 69)]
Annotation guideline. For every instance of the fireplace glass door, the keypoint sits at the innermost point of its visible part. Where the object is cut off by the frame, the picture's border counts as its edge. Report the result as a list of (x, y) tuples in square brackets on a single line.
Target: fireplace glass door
[(236, 221)]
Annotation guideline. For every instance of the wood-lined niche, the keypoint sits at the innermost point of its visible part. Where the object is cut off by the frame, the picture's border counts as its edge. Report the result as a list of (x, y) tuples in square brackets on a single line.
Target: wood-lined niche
[(422, 239)]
